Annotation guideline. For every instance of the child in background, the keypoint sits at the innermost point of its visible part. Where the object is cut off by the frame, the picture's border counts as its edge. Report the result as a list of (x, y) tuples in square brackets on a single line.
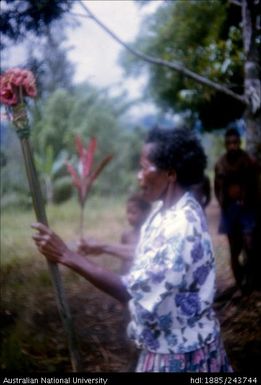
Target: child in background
[(137, 211)]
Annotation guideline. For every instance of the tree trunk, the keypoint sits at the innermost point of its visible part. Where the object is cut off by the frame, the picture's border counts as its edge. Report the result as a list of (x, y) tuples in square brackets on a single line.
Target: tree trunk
[(251, 35)]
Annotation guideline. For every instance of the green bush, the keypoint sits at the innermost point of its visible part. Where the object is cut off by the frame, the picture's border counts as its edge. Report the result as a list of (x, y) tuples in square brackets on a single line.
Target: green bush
[(62, 189), (15, 200)]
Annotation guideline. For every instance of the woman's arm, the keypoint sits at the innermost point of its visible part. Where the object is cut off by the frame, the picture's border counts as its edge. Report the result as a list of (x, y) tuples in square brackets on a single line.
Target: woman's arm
[(125, 252), (55, 250), (88, 246)]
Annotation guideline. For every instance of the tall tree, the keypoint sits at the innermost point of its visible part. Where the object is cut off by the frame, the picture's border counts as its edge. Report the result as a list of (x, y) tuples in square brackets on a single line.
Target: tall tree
[(251, 15), (39, 27), (21, 17), (249, 98), (47, 59), (214, 52)]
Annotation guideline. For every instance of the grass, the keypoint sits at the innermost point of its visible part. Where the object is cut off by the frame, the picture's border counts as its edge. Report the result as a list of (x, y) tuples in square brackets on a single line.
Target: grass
[(16, 233), (25, 283), (23, 268)]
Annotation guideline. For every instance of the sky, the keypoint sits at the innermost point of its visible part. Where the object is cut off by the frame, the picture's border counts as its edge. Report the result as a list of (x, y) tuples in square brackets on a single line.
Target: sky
[(95, 53)]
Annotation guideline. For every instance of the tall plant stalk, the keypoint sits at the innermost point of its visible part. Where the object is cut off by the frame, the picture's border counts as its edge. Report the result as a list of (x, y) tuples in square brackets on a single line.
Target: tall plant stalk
[(15, 84), (39, 209), (81, 220)]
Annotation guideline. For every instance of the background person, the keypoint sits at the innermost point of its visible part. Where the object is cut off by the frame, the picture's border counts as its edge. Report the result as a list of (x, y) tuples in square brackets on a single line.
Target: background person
[(137, 210), (170, 288), (236, 188)]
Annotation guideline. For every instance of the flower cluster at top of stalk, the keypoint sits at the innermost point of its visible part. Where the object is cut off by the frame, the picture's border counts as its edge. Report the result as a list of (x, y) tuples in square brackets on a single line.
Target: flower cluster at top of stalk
[(15, 84)]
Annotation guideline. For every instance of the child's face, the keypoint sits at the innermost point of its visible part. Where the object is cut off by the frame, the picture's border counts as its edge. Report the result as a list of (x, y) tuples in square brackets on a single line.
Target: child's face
[(135, 215)]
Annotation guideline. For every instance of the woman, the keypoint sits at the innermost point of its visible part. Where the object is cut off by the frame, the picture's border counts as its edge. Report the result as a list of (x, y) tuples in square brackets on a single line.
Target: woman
[(170, 287)]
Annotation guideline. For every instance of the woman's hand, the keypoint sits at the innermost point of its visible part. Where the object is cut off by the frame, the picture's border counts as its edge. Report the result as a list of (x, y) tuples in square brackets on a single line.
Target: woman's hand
[(90, 246), (50, 244), (55, 250)]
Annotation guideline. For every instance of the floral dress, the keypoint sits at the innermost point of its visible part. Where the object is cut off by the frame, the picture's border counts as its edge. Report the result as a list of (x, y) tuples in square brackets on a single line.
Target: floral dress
[(171, 284)]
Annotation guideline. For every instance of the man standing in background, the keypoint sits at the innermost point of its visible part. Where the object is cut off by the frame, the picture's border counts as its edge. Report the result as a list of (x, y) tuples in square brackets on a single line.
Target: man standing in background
[(236, 189)]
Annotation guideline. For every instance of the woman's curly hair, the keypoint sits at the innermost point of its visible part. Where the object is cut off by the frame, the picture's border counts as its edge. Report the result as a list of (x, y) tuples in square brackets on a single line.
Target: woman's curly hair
[(178, 150)]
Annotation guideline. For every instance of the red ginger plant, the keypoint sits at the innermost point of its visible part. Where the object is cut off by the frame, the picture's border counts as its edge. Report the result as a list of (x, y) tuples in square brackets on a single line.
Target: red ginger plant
[(85, 174)]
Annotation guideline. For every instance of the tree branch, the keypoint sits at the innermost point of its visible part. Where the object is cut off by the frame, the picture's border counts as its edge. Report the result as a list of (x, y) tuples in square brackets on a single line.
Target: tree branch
[(236, 2), (79, 14), (173, 65)]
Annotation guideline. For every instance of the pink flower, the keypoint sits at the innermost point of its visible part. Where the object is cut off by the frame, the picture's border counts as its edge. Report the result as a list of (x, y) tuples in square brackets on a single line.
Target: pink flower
[(16, 83)]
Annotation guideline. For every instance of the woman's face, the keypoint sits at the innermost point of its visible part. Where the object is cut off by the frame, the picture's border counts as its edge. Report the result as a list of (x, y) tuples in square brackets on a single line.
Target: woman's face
[(152, 181)]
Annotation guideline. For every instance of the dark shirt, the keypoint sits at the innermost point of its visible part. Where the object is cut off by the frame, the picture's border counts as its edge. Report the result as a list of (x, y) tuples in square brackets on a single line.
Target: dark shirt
[(236, 179)]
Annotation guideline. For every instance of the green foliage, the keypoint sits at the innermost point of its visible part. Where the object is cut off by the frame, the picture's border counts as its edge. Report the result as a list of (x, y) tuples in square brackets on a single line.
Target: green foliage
[(14, 185), (12, 354), (45, 50), (16, 199), (62, 189), (62, 111), (20, 17), (206, 38), (50, 169), (88, 112), (3, 159), (85, 111), (52, 130), (47, 59)]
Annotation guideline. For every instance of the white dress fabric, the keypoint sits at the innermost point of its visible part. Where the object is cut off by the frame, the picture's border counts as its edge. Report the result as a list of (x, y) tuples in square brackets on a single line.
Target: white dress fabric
[(172, 281)]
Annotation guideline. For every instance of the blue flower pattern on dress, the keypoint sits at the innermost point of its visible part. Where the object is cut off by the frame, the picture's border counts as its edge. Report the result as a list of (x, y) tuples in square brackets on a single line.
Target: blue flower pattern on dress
[(200, 275), (172, 281), (149, 339), (197, 251), (165, 322), (188, 303)]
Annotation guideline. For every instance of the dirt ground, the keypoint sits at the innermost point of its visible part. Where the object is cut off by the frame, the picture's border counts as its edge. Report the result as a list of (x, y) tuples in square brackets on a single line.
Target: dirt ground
[(239, 315), (100, 322)]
